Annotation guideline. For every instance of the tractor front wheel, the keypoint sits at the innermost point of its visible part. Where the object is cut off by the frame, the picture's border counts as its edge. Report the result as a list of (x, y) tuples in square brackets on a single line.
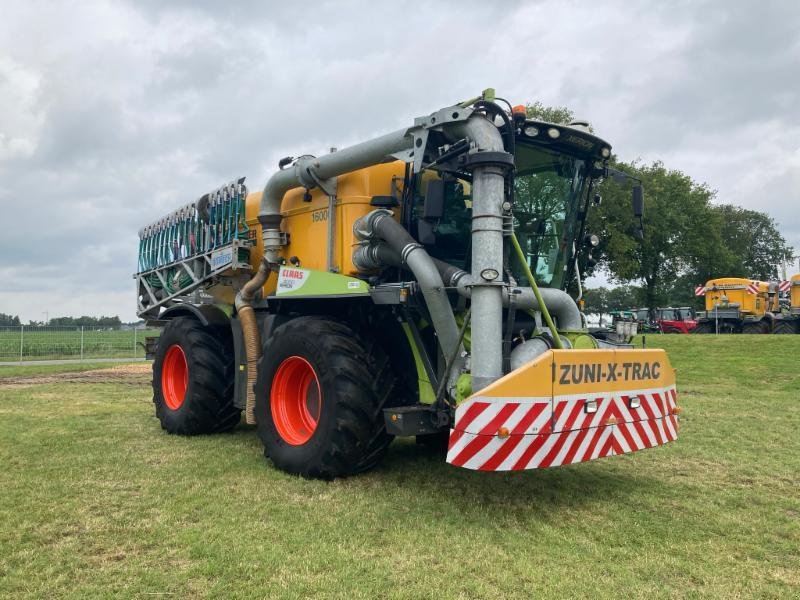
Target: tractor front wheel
[(320, 394), (193, 374)]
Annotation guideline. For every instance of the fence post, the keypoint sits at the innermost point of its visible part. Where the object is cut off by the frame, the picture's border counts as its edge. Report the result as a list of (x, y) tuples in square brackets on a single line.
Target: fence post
[(81, 342), (21, 341), (134, 341)]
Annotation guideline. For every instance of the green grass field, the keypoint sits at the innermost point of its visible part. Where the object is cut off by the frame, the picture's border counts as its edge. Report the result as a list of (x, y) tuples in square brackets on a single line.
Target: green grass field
[(60, 343), (96, 501)]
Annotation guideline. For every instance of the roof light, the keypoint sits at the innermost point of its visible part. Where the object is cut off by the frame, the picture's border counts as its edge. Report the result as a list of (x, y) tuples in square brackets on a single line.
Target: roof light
[(531, 131), (605, 152), (553, 133)]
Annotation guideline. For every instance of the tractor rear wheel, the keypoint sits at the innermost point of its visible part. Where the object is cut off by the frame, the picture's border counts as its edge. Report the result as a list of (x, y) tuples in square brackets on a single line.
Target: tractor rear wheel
[(320, 394), (193, 374), (759, 327), (783, 326), (704, 327)]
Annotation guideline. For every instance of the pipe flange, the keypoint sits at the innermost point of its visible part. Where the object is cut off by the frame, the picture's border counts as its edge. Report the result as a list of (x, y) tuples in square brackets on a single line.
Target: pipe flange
[(504, 160)]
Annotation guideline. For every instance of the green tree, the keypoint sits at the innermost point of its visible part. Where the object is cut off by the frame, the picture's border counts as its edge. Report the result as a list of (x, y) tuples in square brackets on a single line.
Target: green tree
[(551, 114), (596, 301), (754, 241), (9, 320), (624, 297), (681, 233)]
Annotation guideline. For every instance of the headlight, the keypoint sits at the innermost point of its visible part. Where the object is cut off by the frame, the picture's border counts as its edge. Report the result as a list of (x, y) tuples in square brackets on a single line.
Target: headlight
[(605, 152), (553, 133), (531, 131), (592, 239)]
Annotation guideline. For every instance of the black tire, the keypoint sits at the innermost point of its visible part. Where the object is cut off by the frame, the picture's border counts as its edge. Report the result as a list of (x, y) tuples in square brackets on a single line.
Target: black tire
[(355, 384), (757, 328), (207, 405), (783, 326), (704, 327)]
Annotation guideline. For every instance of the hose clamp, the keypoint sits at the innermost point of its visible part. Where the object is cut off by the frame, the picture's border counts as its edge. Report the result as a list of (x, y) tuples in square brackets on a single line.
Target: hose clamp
[(408, 249)]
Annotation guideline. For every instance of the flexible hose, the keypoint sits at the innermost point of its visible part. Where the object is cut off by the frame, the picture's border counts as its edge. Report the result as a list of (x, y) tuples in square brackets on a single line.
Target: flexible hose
[(247, 318), (251, 335)]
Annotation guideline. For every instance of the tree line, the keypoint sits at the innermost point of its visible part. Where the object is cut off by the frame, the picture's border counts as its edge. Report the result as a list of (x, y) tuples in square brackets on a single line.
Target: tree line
[(689, 238), (84, 321)]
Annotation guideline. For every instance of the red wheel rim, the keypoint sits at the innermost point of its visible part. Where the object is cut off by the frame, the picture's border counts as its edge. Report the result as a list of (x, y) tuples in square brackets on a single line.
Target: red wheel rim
[(295, 400), (174, 377)]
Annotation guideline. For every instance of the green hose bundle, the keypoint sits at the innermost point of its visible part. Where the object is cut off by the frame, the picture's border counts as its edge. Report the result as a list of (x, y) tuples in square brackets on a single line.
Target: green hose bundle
[(214, 221)]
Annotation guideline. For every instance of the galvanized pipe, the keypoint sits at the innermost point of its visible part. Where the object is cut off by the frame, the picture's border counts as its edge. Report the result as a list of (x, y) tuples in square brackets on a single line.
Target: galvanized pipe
[(559, 303), (488, 195)]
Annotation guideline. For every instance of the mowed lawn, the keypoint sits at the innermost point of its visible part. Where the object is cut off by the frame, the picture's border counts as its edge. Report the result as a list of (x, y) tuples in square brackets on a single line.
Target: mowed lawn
[(95, 500)]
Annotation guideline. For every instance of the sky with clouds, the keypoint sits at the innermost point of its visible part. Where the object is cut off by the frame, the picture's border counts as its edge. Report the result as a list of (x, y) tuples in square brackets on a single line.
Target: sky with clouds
[(114, 113)]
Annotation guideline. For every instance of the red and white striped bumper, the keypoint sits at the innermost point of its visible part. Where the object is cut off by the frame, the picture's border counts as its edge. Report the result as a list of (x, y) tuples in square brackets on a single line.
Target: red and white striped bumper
[(538, 438)]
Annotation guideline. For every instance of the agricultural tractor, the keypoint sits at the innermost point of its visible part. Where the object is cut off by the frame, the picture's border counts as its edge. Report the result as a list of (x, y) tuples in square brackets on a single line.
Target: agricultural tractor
[(674, 320), (736, 305), (788, 319), (409, 285)]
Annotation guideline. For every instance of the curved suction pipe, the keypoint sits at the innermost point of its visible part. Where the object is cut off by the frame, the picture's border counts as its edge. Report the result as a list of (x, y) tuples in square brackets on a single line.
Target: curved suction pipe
[(392, 244)]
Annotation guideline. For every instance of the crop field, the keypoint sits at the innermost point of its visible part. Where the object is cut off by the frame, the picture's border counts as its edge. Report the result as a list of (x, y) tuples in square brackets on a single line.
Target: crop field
[(96, 501), (41, 343)]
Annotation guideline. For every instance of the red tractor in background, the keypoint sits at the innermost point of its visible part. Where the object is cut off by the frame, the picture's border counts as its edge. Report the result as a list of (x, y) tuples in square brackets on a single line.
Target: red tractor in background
[(674, 320)]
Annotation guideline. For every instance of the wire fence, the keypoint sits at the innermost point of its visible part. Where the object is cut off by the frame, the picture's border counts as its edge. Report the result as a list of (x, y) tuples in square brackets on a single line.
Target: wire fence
[(29, 343)]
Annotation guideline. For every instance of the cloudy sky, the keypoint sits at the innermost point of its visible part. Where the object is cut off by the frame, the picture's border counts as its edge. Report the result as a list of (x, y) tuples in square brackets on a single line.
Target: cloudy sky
[(113, 113)]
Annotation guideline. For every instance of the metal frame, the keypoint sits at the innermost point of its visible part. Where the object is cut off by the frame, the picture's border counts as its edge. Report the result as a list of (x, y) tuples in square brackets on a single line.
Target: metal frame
[(199, 267)]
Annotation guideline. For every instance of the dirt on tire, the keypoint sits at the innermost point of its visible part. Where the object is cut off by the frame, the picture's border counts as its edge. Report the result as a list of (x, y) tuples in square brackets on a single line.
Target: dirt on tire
[(138, 374)]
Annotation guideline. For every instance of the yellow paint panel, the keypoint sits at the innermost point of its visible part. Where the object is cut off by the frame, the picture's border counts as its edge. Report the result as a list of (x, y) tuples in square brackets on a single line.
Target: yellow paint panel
[(564, 372), (307, 222), (534, 379)]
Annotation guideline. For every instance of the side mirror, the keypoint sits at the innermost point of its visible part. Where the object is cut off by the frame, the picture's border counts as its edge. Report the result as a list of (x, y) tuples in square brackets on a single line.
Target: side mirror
[(434, 200), (638, 201)]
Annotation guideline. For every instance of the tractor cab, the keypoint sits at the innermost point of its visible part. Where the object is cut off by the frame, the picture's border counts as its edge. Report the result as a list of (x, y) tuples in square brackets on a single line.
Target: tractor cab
[(556, 167)]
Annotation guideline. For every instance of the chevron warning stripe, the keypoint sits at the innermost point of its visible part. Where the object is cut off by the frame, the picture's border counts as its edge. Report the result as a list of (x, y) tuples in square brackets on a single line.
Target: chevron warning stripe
[(752, 288), (699, 290), (784, 286), (499, 435)]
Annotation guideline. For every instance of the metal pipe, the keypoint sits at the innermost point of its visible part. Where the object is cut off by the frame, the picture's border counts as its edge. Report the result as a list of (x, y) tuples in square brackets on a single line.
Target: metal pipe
[(401, 248), (488, 195), (307, 170), (558, 302)]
